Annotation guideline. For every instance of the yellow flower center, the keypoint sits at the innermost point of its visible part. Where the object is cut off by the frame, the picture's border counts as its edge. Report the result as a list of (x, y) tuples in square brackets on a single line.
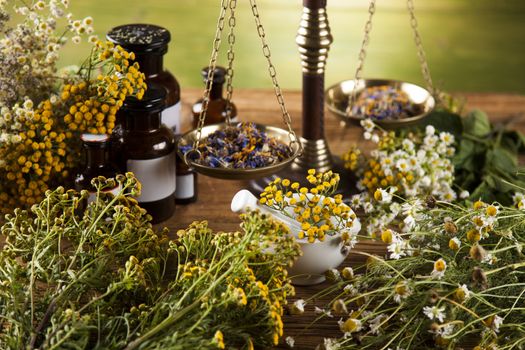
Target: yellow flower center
[(479, 204), (351, 325), (473, 235), (386, 236), (491, 210), (452, 244), (440, 265)]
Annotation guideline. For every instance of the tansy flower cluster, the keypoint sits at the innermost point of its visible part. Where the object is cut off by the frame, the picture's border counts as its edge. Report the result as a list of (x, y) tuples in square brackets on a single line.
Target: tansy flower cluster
[(316, 211), (202, 290), (42, 115), (93, 103), (253, 288), (417, 165), (461, 281)]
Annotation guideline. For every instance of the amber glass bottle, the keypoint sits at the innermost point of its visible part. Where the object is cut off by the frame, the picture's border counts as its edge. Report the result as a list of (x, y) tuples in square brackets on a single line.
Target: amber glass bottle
[(96, 147), (186, 191), (148, 146), (216, 112), (149, 43)]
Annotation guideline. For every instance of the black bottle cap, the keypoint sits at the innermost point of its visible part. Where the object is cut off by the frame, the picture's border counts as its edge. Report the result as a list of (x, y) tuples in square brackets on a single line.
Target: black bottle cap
[(141, 38), (219, 76), (154, 100)]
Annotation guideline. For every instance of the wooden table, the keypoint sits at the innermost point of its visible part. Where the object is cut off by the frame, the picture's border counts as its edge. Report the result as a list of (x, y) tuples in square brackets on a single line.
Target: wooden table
[(260, 106)]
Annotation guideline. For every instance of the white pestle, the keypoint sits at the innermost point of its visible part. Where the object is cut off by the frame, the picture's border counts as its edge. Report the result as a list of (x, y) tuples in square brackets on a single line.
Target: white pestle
[(244, 200)]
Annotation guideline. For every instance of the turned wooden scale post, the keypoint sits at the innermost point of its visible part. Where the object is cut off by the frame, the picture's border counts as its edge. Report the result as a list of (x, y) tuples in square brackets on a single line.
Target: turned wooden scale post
[(314, 39)]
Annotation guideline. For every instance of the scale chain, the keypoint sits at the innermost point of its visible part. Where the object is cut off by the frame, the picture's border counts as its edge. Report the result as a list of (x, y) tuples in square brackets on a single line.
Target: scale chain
[(231, 57), (420, 51), (366, 39), (273, 74), (211, 71), (362, 53), (231, 5)]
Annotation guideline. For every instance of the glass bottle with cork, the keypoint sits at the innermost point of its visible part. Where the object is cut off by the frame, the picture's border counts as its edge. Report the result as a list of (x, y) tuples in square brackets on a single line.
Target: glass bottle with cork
[(218, 105), (96, 148), (148, 147), (149, 43)]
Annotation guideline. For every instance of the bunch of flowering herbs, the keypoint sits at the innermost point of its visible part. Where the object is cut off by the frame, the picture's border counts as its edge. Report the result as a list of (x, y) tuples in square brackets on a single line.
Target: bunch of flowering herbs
[(104, 279), (463, 284), (42, 113)]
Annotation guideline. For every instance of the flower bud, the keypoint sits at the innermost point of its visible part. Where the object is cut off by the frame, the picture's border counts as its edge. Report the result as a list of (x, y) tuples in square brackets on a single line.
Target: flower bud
[(477, 252)]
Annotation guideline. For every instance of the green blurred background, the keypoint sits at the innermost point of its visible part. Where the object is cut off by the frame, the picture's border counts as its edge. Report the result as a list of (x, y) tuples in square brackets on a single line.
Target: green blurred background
[(471, 45)]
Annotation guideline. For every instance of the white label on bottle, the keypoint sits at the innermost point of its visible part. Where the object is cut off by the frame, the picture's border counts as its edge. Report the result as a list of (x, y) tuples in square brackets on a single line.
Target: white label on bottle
[(157, 176), (185, 186), (171, 117), (93, 195)]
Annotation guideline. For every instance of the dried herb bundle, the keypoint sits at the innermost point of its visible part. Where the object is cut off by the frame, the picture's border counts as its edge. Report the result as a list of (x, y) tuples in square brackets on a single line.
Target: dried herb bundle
[(461, 284), (104, 279)]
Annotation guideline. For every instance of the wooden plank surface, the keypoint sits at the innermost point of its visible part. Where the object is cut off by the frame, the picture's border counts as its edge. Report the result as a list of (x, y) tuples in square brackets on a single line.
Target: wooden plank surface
[(260, 106)]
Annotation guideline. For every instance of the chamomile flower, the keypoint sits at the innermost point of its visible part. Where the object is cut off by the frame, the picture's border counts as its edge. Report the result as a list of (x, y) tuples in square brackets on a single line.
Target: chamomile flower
[(498, 321), (351, 290), (454, 244), (382, 196), (443, 330), (435, 313), (330, 344), (430, 130), (376, 323), (367, 124), (519, 200), (319, 311), (351, 325), (447, 138), (494, 322), (402, 291), (440, 266), (347, 273), (398, 249), (408, 145), (462, 293), (339, 307), (290, 341), (298, 307)]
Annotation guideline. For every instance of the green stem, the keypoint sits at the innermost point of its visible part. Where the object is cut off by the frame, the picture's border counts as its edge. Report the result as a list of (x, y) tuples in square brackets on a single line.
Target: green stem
[(161, 326), (511, 266)]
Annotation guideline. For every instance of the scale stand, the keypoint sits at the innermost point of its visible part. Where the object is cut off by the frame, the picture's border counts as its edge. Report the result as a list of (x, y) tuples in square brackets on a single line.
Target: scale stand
[(314, 39)]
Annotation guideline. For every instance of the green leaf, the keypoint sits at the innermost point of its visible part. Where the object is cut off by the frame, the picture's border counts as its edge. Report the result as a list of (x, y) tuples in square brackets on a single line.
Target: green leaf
[(470, 180), (477, 124), (514, 140), (507, 186), (502, 160), (511, 141), (483, 192), (465, 151), (445, 121), (491, 181)]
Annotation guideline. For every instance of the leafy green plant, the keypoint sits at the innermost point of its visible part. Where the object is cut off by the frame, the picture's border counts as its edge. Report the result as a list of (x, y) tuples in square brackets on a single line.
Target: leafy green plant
[(487, 156), (486, 163), (105, 279)]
